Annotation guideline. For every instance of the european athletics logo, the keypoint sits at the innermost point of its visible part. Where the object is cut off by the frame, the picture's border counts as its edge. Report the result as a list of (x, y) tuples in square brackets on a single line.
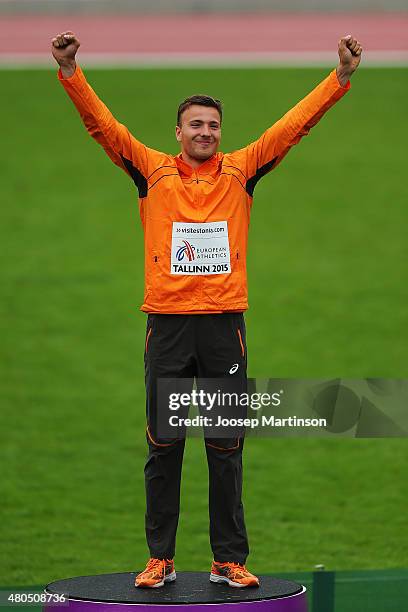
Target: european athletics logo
[(186, 250)]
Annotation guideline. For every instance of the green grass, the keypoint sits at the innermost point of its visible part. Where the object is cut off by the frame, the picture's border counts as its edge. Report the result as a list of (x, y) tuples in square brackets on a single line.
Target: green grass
[(328, 297)]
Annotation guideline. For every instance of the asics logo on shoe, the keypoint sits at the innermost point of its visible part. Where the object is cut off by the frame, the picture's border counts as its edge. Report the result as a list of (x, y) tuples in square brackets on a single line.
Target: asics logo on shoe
[(234, 368)]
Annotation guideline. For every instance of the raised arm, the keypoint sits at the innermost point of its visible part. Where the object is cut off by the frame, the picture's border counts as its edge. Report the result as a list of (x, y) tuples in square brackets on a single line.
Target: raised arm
[(123, 149), (265, 153)]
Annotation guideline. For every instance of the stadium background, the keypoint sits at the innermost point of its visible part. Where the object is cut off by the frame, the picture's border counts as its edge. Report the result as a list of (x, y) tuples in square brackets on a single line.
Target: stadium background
[(327, 280)]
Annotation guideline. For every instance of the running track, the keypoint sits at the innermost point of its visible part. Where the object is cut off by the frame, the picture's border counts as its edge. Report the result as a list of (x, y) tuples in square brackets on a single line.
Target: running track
[(217, 39)]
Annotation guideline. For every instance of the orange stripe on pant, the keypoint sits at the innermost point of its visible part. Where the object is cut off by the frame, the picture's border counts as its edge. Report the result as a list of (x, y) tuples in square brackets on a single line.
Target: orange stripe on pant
[(147, 338), (241, 343)]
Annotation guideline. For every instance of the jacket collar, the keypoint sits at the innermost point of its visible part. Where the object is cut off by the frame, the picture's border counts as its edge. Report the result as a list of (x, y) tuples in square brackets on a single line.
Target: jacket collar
[(208, 167)]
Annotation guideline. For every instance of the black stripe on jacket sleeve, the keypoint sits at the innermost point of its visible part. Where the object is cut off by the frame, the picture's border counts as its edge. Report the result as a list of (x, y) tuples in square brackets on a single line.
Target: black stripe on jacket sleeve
[(251, 182), (139, 180)]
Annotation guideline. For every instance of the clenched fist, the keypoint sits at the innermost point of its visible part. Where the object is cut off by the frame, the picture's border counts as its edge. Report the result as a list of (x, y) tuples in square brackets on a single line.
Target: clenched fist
[(64, 48), (350, 56)]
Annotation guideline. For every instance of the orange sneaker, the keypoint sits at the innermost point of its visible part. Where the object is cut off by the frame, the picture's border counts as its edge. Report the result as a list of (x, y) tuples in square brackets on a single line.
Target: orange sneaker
[(234, 574), (157, 572)]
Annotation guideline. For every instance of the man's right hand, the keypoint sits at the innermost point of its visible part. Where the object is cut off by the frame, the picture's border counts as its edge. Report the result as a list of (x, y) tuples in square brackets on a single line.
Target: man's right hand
[(64, 48)]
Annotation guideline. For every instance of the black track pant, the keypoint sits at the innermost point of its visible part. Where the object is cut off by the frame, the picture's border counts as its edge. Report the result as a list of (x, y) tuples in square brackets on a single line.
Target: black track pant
[(188, 346)]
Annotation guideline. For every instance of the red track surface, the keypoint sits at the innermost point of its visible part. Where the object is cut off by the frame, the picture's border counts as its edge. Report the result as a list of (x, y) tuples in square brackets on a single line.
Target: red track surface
[(29, 36)]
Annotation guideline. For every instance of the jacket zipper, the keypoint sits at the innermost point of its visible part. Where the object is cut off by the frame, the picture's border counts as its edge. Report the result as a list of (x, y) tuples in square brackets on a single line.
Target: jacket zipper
[(200, 279)]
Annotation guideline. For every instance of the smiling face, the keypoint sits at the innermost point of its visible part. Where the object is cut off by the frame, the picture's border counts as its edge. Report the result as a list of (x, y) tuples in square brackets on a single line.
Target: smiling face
[(199, 133)]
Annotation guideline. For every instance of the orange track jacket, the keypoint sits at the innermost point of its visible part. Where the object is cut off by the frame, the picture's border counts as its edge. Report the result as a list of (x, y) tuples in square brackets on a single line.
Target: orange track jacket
[(196, 220)]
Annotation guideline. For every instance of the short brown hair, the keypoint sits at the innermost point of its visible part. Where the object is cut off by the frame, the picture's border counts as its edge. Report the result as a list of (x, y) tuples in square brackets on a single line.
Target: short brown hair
[(200, 100)]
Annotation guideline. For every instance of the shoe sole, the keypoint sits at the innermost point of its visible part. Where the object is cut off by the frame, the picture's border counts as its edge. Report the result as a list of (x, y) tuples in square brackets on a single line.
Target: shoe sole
[(216, 578), (170, 578)]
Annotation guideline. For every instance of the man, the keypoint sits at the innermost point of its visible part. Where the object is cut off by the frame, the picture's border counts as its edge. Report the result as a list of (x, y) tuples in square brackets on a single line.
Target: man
[(195, 210)]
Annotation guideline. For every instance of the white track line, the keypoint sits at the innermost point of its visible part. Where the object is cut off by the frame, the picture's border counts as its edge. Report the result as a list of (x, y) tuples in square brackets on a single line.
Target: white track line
[(204, 60)]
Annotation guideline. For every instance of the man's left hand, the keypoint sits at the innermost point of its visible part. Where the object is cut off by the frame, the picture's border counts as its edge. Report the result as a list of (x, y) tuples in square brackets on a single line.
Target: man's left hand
[(350, 56)]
